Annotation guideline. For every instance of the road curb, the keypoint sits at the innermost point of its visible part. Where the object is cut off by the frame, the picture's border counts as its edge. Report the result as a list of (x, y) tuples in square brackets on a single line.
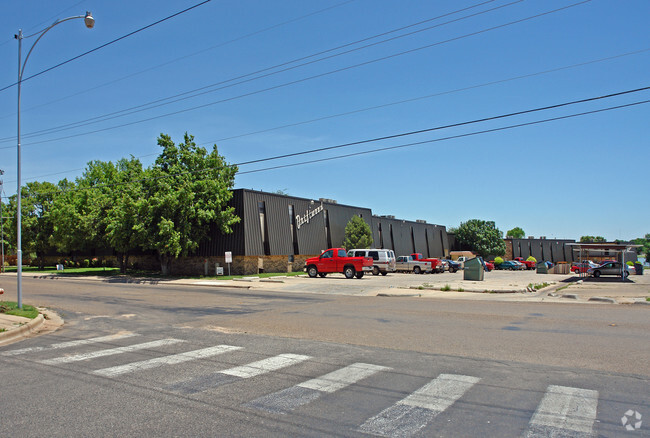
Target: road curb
[(22, 331), (603, 300)]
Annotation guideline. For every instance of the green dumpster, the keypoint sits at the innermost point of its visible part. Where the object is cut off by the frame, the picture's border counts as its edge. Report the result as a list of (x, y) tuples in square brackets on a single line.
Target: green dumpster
[(542, 268), (474, 270)]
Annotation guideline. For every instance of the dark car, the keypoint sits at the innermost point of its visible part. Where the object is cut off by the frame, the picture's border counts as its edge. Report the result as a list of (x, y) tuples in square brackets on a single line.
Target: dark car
[(452, 265), (506, 265)]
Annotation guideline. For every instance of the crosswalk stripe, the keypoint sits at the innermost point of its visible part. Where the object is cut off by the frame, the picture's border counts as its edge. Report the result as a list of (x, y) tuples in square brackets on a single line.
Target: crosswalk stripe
[(306, 392), (264, 366), (166, 360), (339, 379), (212, 380), (564, 411), (409, 415), (69, 344), (110, 352)]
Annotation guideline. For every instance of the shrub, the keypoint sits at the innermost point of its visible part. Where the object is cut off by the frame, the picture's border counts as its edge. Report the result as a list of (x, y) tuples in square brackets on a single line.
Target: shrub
[(94, 263), (498, 261), (531, 259), (629, 263), (445, 288), (85, 263)]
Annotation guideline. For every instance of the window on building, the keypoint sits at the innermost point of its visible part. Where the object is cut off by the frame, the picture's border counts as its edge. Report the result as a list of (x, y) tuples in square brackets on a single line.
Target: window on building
[(294, 231), (261, 208)]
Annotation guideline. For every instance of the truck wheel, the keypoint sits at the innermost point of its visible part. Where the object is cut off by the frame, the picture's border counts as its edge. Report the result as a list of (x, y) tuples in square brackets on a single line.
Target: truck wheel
[(384, 273), (375, 270), (452, 270), (349, 272), (360, 274), (322, 274), (417, 270), (596, 274), (312, 271)]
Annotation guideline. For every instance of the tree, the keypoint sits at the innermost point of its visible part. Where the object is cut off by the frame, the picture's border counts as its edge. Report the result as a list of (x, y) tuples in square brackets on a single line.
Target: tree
[(645, 242), (37, 225), (481, 237), (516, 233), (357, 234), (592, 239), (185, 191)]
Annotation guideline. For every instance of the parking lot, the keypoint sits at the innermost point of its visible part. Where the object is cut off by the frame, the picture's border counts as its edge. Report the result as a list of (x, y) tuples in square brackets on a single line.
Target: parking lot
[(497, 285)]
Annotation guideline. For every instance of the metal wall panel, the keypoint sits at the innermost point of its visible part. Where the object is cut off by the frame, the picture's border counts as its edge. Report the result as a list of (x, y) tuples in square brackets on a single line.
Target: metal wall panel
[(546, 250), (430, 240), (536, 250), (218, 243)]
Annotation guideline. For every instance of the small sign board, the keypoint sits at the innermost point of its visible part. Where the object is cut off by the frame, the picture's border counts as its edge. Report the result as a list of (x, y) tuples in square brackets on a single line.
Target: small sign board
[(228, 256), (219, 270), (59, 267)]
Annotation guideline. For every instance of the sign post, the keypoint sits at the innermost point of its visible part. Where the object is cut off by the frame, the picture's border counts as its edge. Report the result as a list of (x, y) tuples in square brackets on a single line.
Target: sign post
[(229, 260)]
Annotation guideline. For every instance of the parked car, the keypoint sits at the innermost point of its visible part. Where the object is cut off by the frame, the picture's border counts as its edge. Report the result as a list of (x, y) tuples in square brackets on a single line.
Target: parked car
[(409, 264), (452, 266), (518, 265), (506, 265), (383, 260), (610, 268), (529, 264), (337, 260), (582, 268)]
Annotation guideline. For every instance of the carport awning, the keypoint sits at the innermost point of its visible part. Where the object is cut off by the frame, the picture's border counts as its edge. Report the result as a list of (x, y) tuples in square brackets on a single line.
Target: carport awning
[(614, 248)]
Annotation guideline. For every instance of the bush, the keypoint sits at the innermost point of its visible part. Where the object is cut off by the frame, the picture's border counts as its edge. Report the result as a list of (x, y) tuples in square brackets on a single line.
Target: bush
[(498, 261), (531, 259), (629, 263), (94, 263), (85, 263)]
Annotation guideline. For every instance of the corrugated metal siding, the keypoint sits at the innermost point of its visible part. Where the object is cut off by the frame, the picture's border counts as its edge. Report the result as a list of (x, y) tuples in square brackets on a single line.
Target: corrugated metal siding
[(217, 243), (430, 240)]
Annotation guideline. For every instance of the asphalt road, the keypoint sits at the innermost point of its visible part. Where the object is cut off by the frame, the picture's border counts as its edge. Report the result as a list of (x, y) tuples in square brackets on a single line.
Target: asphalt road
[(145, 360)]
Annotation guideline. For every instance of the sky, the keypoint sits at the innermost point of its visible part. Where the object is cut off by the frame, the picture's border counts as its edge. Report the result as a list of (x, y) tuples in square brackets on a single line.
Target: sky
[(263, 79)]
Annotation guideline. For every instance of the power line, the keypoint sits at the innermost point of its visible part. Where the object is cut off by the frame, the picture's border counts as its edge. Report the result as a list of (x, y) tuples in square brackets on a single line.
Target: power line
[(248, 35), (107, 44), (303, 79), (210, 87), (426, 130), (390, 104), (451, 137)]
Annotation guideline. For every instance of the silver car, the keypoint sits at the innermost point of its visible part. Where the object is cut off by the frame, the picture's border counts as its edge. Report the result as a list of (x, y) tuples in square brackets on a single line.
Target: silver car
[(609, 268)]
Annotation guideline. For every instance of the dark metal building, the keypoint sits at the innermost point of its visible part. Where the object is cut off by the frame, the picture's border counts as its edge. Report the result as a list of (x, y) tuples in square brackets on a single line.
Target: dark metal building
[(273, 224)]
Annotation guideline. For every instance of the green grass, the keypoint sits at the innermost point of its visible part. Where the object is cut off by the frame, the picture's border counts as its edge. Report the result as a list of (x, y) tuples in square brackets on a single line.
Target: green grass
[(538, 286), (562, 288), (460, 289), (647, 299), (66, 271), (446, 288), (11, 308)]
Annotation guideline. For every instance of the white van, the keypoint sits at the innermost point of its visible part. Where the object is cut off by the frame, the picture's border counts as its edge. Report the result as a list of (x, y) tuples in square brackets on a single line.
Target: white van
[(383, 260)]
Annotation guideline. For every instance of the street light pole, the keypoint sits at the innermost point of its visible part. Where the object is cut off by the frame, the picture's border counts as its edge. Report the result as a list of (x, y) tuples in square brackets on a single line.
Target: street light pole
[(90, 23)]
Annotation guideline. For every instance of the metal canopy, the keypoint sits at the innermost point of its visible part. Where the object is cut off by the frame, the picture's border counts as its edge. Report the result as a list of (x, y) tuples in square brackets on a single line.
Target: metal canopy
[(616, 248)]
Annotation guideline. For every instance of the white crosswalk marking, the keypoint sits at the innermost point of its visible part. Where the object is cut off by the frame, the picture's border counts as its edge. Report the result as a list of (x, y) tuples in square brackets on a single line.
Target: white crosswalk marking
[(306, 392), (564, 411), (412, 413), (212, 380), (264, 366), (339, 379), (70, 344), (110, 351), (166, 360)]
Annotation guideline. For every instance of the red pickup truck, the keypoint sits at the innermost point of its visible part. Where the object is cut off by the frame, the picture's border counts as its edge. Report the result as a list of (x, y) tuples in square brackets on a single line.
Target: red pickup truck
[(436, 264), (337, 260), (529, 264)]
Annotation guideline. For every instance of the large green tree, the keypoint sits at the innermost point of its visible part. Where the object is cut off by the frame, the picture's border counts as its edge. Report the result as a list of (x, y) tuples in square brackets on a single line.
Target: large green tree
[(185, 191), (37, 225), (592, 239), (357, 234), (481, 237), (516, 233)]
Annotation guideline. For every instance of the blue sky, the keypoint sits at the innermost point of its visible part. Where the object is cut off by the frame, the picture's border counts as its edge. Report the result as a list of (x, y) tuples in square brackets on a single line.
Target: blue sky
[(566, 178)]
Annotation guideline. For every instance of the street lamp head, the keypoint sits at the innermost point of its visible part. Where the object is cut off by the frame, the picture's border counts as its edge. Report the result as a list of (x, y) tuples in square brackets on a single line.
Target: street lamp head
[(89, 20)]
